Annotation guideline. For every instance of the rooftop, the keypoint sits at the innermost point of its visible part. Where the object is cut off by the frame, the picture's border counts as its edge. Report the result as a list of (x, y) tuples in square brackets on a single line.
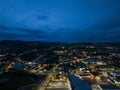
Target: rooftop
[(109, 87)]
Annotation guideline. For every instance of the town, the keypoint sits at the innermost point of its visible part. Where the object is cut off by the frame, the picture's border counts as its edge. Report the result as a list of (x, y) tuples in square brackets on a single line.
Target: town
[(32, 65)]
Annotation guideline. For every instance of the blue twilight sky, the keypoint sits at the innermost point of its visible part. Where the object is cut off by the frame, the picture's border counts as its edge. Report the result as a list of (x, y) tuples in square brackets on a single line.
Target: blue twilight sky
[(60, 20)]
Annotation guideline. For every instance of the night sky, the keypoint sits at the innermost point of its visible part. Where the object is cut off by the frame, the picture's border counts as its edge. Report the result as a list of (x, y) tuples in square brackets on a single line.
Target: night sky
[(60, 20)]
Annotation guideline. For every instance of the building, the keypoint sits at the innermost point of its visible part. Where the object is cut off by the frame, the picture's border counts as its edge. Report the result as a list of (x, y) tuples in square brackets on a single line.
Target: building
[(58, 82), (108, 87), (115, 77)]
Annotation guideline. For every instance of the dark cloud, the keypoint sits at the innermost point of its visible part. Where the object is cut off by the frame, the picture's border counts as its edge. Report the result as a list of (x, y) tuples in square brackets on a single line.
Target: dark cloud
[(62, 35), (93, 35), (21, 33), (40, 17)]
